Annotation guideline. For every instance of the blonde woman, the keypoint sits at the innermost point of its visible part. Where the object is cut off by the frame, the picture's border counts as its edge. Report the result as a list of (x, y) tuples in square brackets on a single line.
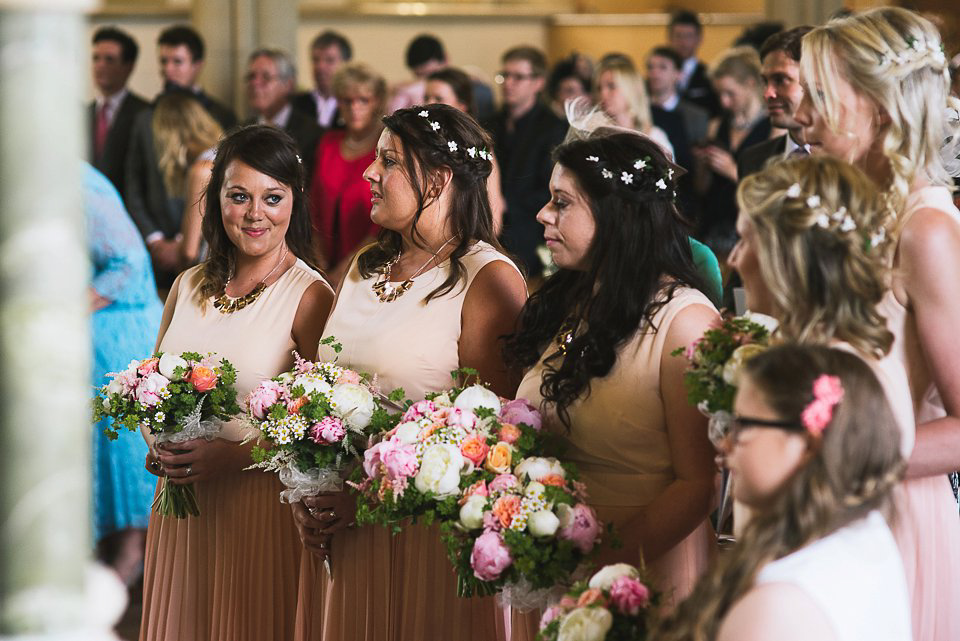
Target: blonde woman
[(622, 94), (185, 136), (815, 453), (877, 87)]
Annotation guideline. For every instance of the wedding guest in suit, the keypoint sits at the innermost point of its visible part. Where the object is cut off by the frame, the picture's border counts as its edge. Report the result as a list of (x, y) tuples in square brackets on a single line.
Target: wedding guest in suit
[(525, 131), (181, 50), (780, 56), (271, 78), (328, 52), (112, 113), (684, 122), (685, 33)]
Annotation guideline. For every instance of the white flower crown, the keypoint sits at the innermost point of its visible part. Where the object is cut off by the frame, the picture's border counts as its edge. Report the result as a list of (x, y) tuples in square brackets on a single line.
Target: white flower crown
[(917, 51), (839, 220), (452, 145)]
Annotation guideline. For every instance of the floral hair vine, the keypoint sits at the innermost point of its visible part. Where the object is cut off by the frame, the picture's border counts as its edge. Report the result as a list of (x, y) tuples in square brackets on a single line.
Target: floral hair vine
[(916, 51), (452, 145), (837, 220), (827, 393), (640, 179)]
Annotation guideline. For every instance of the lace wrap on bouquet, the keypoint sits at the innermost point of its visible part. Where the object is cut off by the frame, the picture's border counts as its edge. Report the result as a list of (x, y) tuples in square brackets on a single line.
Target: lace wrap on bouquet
[(718, 423), (309, 483), (523, 597), (193, 428)]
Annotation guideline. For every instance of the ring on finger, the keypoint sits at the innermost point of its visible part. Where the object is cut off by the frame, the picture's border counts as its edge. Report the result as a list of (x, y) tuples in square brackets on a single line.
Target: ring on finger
[(313, 511), (332, 514), (189, 470)]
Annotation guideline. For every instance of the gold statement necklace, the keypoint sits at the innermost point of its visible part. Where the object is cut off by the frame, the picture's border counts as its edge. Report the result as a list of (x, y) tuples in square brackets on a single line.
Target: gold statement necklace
[(227, 305), (386, 291)]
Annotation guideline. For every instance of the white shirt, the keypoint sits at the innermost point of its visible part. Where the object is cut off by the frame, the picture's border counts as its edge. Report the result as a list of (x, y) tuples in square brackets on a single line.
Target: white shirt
[(791, 146), (326, 107), (671, 103), (689, 66), (279, 120), (112, 103)]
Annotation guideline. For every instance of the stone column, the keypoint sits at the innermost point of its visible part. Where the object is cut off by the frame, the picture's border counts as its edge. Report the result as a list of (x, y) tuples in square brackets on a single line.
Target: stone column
[(45, 426)]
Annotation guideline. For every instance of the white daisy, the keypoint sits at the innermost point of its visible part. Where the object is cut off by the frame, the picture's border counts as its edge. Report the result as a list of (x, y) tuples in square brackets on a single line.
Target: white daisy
[(626, 177), (452, 145), (640, 164)]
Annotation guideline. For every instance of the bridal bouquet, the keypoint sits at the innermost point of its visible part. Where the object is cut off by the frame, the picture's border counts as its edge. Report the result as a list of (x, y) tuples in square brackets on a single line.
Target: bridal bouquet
[(178, 398), (614, 605), (315, 421)]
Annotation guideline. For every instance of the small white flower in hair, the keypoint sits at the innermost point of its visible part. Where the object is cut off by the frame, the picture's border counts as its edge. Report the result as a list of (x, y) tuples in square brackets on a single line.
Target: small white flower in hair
[(670, 173), (794, 191), (626, 177), (848, 224), (472, 152), (452, 145), (592, 159), (813, 201), (839, 214), (640, 164), (486, 155), (661, 184), (435, 125), (823, 221), (878, 237), (299, 160), (606, 173), (424, 114)]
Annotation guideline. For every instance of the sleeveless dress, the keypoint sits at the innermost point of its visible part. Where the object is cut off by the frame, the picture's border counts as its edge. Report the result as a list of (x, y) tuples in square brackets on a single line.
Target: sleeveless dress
[(385, 587), (928, 527), (124, 330), (231, 573), (855, 577), (618, 441)]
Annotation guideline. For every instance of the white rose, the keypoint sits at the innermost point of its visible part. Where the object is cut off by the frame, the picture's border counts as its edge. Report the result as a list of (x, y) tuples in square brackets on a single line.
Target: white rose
[(585, 624), (354, 403), (408, 432), (440, 470), (731, 369), (471, 514), (537, 467), (604, 579), (543, 523), (114, 387), (168, 363), (106, 403), (533, 488), (477, 396), (312, 383), (769, 322)]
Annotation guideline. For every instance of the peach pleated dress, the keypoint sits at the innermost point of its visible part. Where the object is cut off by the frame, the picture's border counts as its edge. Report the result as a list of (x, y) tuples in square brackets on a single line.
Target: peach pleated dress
[(385, 587), (229, 574), (619, 443), (928, 527)]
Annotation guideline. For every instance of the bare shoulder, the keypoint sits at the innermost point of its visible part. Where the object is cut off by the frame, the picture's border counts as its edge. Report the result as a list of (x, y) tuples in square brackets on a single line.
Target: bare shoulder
[(776, 611), (691, 322), (498, 277)]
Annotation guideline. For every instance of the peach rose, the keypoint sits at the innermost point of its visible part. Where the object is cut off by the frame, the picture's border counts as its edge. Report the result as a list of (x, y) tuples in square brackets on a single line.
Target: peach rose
[(591, 596), (296, 405), (505, 507), (499, 458), (475, 449), (509, 433), (349, 376), (554, 479), (202, 378), (479, 488)]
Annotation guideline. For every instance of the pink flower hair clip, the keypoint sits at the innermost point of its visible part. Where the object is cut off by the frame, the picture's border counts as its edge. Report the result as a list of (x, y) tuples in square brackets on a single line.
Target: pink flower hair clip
[(827, 392)]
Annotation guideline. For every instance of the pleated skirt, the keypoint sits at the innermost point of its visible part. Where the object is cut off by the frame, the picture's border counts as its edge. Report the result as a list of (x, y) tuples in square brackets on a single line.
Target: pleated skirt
[(229, 574)]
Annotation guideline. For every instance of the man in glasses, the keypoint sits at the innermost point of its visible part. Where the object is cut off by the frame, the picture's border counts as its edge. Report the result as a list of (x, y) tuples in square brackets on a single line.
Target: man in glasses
[(525, 131)]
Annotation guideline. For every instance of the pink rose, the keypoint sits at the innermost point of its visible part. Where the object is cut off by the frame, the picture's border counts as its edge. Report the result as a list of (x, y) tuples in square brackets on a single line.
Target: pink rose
[(490, 556), (509, 433), (418, 410), (371, 460), (503, 482), (579, 525), (329, 430), (348, 376), (629, 595), (479, 488), (474, 448), (400, 460), (262, 397), (550, 614), (148, 366), (520, 411)]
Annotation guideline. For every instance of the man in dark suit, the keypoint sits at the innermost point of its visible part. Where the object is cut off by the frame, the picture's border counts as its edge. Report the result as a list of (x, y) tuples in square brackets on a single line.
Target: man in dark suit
[(328, 52), (271, 78), (684, 122), (780, 56), (111, 115), (180, 49), (685, 33), (525, 133)]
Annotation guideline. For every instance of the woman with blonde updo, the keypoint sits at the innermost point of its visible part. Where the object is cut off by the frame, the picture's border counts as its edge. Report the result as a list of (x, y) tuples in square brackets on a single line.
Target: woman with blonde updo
[(877, 95)]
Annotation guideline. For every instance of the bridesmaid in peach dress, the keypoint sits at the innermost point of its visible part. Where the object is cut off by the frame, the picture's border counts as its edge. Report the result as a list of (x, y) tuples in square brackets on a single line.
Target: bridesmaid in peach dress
[(597, 339), (881, 102), (434, 294), (230, 573)]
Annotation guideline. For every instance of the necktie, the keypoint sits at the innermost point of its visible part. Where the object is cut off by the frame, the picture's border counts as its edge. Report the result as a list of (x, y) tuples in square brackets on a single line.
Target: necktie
[(100, 134)]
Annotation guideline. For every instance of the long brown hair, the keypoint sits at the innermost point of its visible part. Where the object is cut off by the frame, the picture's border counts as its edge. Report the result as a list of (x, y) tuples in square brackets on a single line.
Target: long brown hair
[(854, 466)]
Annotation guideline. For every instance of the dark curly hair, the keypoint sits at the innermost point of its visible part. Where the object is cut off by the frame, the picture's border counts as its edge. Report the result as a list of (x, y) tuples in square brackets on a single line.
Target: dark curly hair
[(638, 258), (270, 151), (425, 151)]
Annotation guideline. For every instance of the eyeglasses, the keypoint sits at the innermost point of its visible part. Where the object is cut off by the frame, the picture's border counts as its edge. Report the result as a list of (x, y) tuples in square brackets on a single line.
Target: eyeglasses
[(503, 76), (262, 77), (740, 423)]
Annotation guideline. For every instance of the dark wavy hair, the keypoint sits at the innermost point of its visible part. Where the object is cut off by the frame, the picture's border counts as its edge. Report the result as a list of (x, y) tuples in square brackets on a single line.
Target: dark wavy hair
[(425, 152), (270, 151), (639, 256)]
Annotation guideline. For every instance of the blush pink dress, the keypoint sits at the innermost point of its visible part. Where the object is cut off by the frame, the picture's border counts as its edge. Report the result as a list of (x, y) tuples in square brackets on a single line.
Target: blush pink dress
[(385, 587), (229, 574), (619, 443), (928, 527)]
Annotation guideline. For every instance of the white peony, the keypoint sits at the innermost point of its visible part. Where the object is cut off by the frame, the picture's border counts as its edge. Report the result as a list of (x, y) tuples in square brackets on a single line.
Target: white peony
[(354, 403), (440, 470), (543, 523), (407, 433), (312, 383), (585, 624), (471, 514), (477, 396), (106, 403), (769, 322), (537, 467), (115, 387), (603, 580), (170, 362), (286, 378)]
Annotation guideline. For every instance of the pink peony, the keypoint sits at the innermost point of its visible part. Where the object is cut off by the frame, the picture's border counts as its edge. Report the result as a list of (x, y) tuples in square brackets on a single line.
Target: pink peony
[(128, 379), (148, 366), (629, 595), (418, 410), (151, 389), (490, 556), (503, 482), (262, 397), (371, 459), (550, 614), (329, 430), (491, 523), (520, 411), (348, 376), (399, 460), (579, 525), (457, 417)]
